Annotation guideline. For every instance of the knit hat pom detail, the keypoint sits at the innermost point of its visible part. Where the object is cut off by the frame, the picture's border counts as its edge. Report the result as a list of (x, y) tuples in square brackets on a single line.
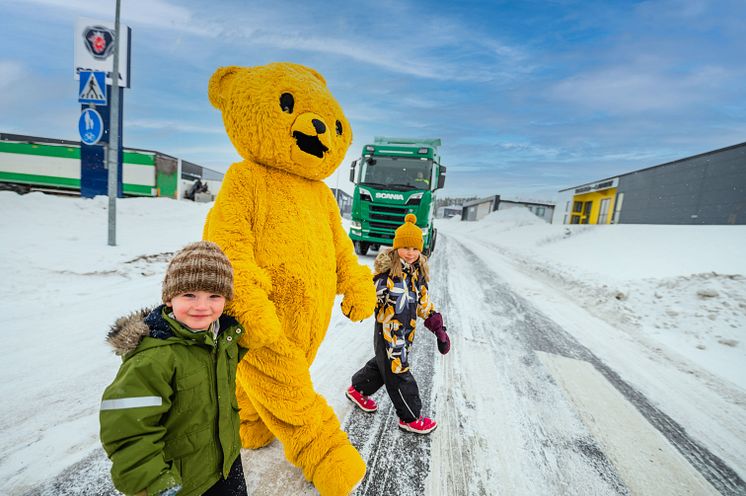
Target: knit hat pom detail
[(408, 235)]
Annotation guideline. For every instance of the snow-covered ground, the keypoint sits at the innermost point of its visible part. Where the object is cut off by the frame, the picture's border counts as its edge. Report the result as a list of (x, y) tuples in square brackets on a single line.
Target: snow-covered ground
[(683, 287), (661, 308)]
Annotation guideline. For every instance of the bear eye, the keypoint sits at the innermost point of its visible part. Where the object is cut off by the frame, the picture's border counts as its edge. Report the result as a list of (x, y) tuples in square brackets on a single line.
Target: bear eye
[(339, 128), (287, 102)]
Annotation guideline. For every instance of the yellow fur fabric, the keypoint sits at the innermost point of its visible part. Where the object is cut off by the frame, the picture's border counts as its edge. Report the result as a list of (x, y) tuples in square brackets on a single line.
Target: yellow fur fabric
[(279, 225)]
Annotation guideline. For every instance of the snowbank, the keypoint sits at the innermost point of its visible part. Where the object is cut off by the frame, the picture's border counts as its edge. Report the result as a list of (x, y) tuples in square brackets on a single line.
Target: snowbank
[(63, 288), (682, 286)]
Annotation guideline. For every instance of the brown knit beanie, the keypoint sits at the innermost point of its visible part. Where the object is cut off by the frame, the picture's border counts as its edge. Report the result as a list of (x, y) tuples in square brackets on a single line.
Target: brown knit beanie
[(200, 266), (408, 234)]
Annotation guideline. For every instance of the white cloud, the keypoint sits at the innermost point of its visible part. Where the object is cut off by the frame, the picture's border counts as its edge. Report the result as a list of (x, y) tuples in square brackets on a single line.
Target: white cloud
[(171, 125), (398, 37), (637, 88), (157, 13), (11, 72)]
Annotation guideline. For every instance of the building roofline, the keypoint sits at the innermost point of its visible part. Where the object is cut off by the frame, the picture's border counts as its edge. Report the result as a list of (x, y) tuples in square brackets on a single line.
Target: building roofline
[(55, 141), (699, 155), (63, 142), (528, 203), (482, 200)]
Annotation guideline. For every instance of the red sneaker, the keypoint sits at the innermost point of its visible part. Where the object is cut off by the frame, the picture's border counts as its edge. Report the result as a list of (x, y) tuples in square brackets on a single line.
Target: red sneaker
[(422, 425), (365, 403)]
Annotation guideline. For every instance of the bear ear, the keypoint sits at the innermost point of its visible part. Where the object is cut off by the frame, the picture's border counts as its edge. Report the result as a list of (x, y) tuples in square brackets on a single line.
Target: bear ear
[(219, 83), (318, 76)]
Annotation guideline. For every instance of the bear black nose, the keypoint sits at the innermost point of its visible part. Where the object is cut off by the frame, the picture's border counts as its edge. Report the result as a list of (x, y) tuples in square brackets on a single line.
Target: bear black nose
[(319, 126)]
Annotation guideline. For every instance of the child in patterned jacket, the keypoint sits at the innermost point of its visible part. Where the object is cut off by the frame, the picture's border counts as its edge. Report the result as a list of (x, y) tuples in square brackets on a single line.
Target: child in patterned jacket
[(401, 277)]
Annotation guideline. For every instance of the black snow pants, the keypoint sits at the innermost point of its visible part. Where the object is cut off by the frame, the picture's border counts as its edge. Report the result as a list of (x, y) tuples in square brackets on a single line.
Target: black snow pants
[(402, 388), (234, 485)]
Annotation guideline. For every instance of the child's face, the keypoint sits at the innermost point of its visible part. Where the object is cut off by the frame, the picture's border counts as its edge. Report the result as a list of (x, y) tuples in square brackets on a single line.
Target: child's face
[(198, 309), (408, 254)]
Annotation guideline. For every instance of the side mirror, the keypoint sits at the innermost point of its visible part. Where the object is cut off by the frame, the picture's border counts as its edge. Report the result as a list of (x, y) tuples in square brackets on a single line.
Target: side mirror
[(441, 176), (371, 161), (352, 171)]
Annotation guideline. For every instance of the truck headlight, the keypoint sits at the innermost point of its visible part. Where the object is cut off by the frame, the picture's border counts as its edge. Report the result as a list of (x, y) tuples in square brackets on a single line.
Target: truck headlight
[(355, 225), (414, 199)]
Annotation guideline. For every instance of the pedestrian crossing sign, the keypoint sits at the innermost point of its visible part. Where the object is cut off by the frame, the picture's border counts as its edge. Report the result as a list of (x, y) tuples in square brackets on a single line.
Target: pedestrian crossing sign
[(92, 87)]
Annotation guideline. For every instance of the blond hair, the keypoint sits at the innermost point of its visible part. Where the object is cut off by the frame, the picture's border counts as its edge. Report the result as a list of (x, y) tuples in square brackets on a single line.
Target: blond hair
[(396, 265)]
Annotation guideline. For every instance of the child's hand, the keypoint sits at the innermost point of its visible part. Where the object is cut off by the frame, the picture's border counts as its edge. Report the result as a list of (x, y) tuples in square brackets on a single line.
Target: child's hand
[(435, 324), (444, 342)]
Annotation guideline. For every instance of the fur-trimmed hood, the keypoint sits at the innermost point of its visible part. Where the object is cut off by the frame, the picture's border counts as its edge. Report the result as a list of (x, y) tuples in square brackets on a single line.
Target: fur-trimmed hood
[(127, 332), (383, 261)]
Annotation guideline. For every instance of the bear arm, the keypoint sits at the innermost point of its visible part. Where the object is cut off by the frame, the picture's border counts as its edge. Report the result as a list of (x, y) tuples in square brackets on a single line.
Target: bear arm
[(354, 280), (229, 227), (350, 273)]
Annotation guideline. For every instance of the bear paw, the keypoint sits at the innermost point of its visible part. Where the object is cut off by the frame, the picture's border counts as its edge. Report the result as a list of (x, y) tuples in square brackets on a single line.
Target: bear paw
[(255, 435), (339, 472), (359, 305)]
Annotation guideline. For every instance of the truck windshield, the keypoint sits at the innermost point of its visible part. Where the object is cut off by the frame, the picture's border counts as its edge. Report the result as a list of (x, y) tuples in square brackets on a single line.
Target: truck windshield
[(397, 173)]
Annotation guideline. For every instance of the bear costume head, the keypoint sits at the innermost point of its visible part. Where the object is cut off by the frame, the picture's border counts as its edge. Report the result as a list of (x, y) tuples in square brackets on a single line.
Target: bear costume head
[(282, 115)]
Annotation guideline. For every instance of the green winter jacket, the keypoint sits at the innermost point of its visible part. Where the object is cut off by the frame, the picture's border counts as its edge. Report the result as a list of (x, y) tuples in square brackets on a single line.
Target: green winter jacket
[(170, 418)]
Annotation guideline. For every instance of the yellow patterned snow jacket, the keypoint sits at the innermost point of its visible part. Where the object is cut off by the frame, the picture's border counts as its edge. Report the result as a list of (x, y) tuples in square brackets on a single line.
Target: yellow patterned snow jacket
[(400, 302)]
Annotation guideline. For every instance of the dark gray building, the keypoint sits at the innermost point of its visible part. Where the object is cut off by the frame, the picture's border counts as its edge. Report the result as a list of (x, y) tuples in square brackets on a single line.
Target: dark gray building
[(709, 188), (704, 189), (477, 209)]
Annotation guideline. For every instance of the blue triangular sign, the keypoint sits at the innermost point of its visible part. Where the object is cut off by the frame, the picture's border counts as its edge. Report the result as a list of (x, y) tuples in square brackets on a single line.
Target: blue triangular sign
[(92, 87)]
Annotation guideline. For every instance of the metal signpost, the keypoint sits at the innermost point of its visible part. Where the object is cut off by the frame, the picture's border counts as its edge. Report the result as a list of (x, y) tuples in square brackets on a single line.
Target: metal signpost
[(102, 58), (114, 145)]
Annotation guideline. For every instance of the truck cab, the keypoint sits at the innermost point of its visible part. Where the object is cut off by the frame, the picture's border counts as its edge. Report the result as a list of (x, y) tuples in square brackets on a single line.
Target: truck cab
[(394, 177)]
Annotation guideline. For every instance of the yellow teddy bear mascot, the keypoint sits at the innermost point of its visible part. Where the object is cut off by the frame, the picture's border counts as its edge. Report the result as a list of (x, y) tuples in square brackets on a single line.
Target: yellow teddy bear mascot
[(280, 226)]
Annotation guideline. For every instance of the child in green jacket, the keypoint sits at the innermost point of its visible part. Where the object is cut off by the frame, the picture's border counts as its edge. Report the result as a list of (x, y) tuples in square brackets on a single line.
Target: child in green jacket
[(169, 421)]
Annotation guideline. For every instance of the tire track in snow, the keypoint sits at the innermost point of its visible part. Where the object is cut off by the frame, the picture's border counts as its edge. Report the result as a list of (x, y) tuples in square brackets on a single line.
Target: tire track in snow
[(457, 479), (545, 335), (508, 435)]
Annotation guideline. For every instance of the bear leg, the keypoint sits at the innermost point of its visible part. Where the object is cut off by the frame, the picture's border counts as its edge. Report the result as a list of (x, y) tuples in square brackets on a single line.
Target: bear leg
[(278, 383), (254, 433)]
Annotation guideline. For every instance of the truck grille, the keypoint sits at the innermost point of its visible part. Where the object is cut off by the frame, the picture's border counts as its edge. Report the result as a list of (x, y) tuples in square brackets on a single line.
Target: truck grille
[(381, 225), (387, 213)]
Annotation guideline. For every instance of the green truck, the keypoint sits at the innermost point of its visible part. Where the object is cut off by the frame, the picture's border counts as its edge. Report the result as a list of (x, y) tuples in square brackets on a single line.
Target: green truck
[(394, 177)]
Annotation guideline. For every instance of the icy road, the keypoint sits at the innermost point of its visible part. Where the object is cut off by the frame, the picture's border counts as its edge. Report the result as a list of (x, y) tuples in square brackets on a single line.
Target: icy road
[(524, 406)]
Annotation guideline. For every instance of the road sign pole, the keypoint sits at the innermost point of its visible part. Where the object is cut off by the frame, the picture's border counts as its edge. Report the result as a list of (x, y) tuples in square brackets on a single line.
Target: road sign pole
[(113, 155)]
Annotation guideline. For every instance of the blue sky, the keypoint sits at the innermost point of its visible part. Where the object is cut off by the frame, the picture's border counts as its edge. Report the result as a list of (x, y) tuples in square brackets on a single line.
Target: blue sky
[(528, 97)]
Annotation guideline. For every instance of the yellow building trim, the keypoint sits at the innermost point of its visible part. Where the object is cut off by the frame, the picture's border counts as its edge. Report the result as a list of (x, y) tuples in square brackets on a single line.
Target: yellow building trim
[(587, 207)]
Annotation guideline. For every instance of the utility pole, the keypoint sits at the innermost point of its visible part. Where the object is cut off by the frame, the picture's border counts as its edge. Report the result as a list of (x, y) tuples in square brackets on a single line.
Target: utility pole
[(336, 190), (113, 152)]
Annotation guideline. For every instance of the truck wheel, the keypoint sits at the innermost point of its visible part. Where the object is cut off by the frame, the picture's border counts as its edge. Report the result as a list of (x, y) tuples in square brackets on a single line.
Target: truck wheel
[(375, 247), (430, 249), (361, 247)]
